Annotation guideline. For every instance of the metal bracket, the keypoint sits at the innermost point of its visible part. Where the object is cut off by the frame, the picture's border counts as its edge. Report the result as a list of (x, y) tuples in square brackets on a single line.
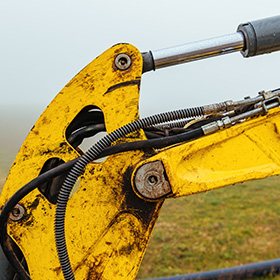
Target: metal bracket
[(267, 94)]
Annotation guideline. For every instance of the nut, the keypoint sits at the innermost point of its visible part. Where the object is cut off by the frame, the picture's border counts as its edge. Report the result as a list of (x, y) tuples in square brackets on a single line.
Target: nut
[(17, 213)]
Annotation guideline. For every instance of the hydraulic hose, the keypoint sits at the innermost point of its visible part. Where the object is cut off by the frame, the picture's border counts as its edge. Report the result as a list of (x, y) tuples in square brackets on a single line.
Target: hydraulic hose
[(50, 174), (89, 156), (101, 149), (266, 268), (22, 192)]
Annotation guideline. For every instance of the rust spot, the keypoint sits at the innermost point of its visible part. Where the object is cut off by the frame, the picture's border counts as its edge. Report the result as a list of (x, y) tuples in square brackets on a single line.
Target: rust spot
[(276, 128), (46, 152), (35, 203), (93, 274), (94, 266), (70, 83), (91, 170), (29, 223), (45, 120), (126, 250), (28, 219), (63, 144), (120, 47), (58, 270)]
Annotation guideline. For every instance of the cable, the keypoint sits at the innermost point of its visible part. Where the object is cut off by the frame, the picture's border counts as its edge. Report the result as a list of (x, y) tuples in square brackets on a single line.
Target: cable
[(26, 189), (256, 269), (89, 156), (99, 150), (22, 192), (76, 138)]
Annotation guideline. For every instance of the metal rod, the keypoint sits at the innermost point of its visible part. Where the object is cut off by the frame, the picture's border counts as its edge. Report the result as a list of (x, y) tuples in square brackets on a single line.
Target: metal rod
[(266, 268), (198, 50)]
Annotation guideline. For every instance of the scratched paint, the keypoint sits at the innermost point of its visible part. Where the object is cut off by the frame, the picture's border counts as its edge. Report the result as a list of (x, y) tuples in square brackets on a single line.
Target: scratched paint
[(107, 225)]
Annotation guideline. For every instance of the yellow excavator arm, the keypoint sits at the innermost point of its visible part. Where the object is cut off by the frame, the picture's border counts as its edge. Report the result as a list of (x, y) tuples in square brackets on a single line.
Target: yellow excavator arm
[(104, 222)]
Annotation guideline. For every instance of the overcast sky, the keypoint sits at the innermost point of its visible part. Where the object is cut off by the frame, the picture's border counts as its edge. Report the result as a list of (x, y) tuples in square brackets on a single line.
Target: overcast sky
[(45, 43)]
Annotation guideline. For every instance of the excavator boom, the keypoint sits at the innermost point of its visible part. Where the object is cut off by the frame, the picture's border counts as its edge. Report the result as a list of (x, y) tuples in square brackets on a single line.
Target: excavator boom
[(104, 211)]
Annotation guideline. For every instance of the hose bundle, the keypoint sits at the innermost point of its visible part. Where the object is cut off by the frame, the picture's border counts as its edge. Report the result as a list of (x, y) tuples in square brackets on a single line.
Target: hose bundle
[(91, 155)]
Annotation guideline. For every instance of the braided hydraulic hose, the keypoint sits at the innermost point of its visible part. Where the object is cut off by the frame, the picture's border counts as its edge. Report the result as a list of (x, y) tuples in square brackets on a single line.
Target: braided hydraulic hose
[(89, 156)]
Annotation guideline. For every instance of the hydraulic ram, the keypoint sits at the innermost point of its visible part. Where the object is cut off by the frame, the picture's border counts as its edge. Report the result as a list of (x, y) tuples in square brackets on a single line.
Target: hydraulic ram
[(252, 38)]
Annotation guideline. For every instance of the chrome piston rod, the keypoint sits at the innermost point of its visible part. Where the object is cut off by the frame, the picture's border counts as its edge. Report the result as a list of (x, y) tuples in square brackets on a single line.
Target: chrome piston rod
[(198, 50), (252, 38)]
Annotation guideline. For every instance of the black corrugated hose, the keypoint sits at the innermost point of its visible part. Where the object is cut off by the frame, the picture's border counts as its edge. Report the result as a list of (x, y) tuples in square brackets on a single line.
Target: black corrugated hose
[(56, 171), (91, 155), (266, 268)]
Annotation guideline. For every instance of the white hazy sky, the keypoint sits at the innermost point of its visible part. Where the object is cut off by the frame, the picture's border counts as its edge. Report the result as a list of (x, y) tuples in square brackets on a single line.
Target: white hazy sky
[(45, 43)]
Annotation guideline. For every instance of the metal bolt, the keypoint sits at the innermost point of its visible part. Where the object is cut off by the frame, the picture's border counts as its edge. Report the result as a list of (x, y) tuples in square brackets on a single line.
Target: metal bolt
[(17, 213), (122, 61), (150, 181)]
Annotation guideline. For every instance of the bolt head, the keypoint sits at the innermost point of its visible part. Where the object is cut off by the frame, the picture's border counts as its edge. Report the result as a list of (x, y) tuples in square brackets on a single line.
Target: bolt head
[(122, 61), (17, 213), (152, 180)]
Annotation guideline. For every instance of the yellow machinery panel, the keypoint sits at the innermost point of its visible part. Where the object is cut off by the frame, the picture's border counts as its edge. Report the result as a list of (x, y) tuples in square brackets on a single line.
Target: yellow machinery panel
[(247, 151), (107, 225), (108, 222)]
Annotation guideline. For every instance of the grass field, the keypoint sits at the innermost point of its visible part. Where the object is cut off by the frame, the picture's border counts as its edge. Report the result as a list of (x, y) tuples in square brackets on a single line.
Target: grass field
[(227, 227)]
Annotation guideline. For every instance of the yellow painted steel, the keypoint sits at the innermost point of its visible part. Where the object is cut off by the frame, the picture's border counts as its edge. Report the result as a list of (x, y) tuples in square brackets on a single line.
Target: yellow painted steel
[(246, 151), (107, 225)]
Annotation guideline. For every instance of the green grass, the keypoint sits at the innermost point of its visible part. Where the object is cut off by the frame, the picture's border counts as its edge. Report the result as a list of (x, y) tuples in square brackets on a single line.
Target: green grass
[(227, 227)]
